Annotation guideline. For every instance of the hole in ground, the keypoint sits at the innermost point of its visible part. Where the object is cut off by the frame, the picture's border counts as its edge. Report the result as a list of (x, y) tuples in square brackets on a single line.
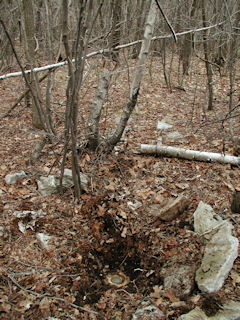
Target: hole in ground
[(127, 255)]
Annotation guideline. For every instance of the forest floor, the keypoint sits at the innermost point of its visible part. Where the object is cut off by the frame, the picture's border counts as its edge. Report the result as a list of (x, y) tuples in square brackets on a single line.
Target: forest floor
[(103, 234)]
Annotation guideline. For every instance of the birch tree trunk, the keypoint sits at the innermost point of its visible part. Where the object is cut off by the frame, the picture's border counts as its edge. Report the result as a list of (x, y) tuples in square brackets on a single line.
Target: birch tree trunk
[(95, 113), (115, 137)]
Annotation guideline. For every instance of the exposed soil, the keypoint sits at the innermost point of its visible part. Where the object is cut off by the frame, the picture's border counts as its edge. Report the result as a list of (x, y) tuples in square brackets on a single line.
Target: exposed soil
[(104, 234)]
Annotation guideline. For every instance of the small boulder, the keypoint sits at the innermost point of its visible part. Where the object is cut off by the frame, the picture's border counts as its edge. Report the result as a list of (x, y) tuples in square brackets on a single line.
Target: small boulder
[(47, 185), (68, 179), (229, 311), (206, 221), (50, 185), (218, 259), (44, 240), (221, 248), (178, 277), (148, 312), (13, 177), (172, 209)]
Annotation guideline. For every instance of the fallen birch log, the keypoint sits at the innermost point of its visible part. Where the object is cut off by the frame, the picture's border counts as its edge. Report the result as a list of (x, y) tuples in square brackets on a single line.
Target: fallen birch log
[(104, 51), (189, 154)]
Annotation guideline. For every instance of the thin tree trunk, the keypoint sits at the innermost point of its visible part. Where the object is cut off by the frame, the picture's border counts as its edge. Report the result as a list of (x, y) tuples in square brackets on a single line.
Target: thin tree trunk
[(207, 59), (29, 32), (114, 138), (75, 71), (95, 113), (50, 74), (186, 48), (115, 35)]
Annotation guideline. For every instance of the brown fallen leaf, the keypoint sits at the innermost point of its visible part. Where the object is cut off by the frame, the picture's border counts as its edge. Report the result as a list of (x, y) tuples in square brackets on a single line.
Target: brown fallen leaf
[(170, 294), (157, 292), (44, 307)]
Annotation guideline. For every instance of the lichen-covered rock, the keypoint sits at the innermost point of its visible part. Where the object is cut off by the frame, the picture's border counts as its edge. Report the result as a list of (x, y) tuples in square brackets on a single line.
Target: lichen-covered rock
[(218, 259), (50, 185), (229, 311), (68, 179), (13, 177), (179, 278), (148, 312), (206, 221), (47, 185)]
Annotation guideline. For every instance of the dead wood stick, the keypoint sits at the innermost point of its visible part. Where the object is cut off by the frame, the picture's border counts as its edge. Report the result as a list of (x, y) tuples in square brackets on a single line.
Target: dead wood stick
[(39, 295)]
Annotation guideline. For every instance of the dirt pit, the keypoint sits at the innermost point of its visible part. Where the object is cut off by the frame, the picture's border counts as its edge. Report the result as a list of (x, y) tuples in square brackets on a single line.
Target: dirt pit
[(115, 262)]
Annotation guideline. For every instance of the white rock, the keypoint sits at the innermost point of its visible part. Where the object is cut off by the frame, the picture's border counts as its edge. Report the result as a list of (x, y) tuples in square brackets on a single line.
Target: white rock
[(47, 185), (218, 259), (231, 311), (221, 249), (162, 125), (68, 180), (44, 240), (13, 177), (206, 221), (50, 185), (174, 135)]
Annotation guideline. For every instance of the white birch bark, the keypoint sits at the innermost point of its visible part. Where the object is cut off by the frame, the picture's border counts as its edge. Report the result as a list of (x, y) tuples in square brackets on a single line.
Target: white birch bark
[(102, 51), (168, 151), (115, 137), (95, 113)]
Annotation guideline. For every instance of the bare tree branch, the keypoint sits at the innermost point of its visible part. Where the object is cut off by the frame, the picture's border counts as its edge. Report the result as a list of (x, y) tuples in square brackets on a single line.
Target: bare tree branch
[(167, 21)]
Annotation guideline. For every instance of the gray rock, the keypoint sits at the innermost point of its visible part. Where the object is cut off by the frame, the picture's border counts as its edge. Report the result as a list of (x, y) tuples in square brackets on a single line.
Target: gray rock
[(50, 185), (162, 125), (1, 230), (218, 259), (68, 180), (149, 312), (174, 135), (13, 177), (206, 221), (221, 249), (47, 185), (178, 277), (44, 240), (231, 311)]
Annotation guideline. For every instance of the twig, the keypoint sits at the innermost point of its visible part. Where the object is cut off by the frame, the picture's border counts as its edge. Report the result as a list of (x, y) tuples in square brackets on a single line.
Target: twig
[(166, 20), (49, 297), (214, 228)]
